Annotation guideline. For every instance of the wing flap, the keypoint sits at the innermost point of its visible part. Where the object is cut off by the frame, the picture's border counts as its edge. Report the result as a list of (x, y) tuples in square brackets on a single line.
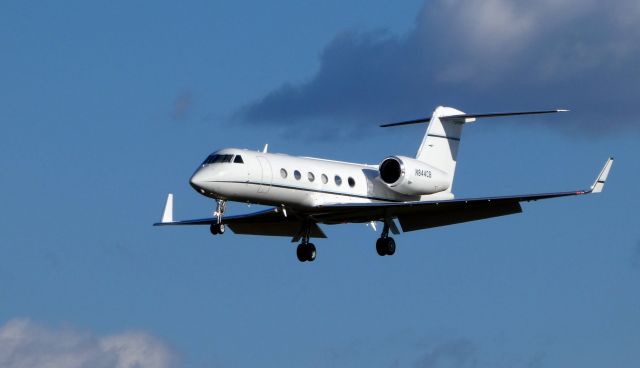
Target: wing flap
[(456, 210), (261, 215), (275, 228), (470, 212)]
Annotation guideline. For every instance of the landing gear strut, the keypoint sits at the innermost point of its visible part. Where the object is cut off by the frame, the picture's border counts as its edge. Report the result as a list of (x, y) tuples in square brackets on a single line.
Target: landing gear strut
[(306, 251), (218, 226), (385, 245)]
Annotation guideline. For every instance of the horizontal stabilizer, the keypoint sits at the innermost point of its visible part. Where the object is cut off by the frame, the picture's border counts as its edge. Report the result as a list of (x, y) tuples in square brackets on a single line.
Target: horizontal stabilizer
[(467, 118)]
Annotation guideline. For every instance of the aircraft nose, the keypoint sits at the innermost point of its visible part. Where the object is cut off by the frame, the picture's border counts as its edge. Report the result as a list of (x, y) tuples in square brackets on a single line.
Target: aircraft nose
[(197, 180)]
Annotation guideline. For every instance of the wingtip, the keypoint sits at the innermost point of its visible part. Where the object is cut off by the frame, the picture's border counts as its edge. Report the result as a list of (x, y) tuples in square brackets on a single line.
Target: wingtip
[(598, 185), (563, 110), (167, 214)]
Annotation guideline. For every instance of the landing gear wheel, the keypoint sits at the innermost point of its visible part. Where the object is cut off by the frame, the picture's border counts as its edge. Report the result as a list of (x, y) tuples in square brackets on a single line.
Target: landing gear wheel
[(386, 246), (301, 253), (391, 246), (311, 252), (306, 252), (381, 247), (217, 229)]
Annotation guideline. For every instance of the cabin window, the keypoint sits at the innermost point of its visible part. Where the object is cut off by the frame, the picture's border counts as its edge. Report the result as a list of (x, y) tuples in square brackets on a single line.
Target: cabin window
[(238, 160), (324, 179), (310, 176), (297, 175), (338, 180), (352, 183), (283, 173)]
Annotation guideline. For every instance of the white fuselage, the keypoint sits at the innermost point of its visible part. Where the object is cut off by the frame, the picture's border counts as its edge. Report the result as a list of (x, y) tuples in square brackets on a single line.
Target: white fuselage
[(296, 182)]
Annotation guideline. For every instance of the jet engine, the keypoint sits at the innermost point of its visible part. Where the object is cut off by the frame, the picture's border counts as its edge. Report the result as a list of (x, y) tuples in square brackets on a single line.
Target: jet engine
[(412, 177)]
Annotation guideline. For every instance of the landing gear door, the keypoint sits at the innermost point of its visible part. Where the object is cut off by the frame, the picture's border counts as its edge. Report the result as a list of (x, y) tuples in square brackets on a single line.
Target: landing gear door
[(266, 175)]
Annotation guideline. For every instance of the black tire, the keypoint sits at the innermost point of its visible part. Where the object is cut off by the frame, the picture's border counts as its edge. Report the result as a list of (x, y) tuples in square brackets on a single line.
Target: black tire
[(391, 246), (381, 247), (301, 252), (214, 229), (221, 229), (311, 252)]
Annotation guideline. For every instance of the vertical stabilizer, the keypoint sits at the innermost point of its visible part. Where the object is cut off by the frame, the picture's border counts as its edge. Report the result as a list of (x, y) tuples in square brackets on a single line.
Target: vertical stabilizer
[(439, 147)]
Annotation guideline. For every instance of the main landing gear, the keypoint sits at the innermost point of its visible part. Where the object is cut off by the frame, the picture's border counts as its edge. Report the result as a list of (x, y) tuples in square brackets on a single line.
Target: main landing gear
[(217, 228), (385, 245), (306, 251)]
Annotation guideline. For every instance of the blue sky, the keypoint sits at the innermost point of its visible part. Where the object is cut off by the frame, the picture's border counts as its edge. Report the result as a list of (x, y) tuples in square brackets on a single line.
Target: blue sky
[(107, 107)]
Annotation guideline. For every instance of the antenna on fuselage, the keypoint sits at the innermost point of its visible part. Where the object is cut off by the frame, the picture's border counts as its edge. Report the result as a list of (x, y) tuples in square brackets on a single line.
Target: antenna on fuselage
[(266, 148)]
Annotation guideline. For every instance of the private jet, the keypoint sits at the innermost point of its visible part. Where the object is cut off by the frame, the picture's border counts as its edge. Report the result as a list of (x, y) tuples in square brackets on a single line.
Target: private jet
[(304, 192)]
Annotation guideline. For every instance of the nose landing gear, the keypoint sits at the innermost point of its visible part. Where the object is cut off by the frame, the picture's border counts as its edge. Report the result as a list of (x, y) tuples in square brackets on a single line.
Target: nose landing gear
[(385, 245), (218, 227)]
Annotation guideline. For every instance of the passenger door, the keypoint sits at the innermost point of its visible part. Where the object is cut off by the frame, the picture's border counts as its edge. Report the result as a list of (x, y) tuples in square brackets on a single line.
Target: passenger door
[(266, 175)]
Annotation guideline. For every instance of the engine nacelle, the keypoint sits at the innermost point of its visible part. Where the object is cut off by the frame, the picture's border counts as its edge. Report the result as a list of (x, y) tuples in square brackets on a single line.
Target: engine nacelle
[(412, 177)]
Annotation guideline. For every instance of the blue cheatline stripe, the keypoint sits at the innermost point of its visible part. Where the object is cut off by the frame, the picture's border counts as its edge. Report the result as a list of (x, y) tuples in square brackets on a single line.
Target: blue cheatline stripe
[(443, 136), (307, 190)]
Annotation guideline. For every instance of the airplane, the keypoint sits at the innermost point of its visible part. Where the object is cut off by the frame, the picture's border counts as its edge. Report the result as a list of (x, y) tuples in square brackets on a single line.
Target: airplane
[(303, 192)]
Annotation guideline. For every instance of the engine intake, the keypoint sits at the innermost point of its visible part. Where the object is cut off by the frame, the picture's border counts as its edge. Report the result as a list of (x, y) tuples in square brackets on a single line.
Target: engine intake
[(391, 170), (412, 177)]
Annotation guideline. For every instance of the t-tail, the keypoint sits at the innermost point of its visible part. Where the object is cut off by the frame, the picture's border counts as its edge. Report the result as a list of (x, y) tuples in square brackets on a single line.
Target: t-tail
[(441, 142)]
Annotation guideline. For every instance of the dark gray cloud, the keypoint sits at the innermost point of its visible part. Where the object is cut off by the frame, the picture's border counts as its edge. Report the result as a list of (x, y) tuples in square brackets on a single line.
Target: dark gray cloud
[(477, 55), (25, 344)]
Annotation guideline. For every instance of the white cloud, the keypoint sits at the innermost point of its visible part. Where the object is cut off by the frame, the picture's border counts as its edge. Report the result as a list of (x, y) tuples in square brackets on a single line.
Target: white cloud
[(26, 344)]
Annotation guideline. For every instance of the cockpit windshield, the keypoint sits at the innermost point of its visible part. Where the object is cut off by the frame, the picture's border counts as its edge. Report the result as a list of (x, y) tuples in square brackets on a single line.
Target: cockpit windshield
[(214, 159)]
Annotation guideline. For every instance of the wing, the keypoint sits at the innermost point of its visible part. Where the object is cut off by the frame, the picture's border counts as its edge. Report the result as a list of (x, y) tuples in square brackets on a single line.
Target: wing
[(268, 222), (426, 214)]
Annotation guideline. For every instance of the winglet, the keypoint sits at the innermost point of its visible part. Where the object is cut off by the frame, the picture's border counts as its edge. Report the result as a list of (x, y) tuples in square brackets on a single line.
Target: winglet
[(167, 215), (598, 185)]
